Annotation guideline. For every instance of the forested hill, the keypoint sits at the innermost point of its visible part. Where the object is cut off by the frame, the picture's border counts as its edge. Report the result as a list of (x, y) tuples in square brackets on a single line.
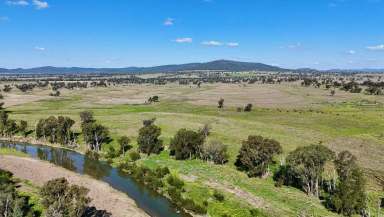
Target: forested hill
[(221, 65)]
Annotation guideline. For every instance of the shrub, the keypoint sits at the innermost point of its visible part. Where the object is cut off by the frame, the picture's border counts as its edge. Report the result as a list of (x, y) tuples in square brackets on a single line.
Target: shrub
[(186, 144), (134, 155), (148, 139), (61, 199), (256, 154), (161, 172), (189, 204), (218, 196), (216, 152), (248, 107), (175, 182)]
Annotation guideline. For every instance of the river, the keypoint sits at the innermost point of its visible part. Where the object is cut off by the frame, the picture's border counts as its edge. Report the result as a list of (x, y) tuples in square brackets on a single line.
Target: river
[(151, 202)]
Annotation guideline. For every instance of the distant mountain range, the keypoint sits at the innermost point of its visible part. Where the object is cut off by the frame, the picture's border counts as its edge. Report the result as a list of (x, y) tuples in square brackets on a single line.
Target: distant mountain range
[(220, 65)]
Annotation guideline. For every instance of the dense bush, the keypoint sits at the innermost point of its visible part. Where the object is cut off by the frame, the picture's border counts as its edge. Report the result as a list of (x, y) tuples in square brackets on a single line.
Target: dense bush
[(148, 139), (186, 144), (256, 154), (134, 155), (218, 196), (62, 199)]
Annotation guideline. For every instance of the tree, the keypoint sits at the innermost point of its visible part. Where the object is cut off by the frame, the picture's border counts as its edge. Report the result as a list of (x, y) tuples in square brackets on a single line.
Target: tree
[(216, 152), (221, 103), (256, 154), (56, 130), (153, 99), (248, 107), (11, 128), (23, 125), (186, 144), (350, 197), (61, 199), (148, 139), (3, 121), (124, 144), (307, 164), (11, 204), (64, 132), (94, 134)]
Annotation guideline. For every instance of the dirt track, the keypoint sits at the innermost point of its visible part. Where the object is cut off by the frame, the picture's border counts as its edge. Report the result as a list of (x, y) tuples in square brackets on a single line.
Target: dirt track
[(103, 196)]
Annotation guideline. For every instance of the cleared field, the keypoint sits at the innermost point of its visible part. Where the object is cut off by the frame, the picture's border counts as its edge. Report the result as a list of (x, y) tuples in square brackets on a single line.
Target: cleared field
[(291, 114)]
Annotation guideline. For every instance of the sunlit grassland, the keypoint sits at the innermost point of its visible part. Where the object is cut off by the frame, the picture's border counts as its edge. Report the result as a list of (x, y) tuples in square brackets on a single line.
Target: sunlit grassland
[(341, 126)]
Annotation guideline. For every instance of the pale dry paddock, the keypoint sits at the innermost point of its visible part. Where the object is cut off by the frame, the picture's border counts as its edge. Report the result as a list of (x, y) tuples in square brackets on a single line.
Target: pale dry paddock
[(104, 197), (286, 95)]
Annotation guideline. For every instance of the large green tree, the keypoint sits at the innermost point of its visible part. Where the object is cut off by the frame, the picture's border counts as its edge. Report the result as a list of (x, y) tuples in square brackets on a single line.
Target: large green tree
[(307, 165), (64, 200), (186, 144), (95, 135), (11, 204), (148, 139), (350, 197), (256, 154)]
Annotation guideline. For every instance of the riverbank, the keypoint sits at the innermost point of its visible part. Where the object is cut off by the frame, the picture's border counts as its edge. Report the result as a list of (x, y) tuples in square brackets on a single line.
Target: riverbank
[(103, 196)]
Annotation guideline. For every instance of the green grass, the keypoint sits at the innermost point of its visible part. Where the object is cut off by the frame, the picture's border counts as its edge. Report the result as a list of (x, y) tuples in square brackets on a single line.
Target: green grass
[(343, 126), (13, 152)]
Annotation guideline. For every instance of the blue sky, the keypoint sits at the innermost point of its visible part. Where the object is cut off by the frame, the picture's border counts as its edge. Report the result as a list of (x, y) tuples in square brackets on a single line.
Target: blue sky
[(118, 33)]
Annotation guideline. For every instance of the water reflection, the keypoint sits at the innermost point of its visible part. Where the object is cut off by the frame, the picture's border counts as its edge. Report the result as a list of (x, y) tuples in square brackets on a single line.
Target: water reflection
[(95, 168)]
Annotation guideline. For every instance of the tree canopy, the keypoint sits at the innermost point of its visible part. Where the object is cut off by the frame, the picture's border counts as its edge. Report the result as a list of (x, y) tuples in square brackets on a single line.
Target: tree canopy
[(256, 154)]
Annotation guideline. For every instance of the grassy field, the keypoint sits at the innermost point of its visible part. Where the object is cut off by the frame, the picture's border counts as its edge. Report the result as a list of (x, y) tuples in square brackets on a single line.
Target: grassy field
[(291, 114)]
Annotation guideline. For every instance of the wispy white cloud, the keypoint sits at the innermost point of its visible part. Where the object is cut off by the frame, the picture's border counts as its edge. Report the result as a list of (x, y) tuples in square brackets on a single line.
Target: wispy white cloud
[(351, 52), (38, 48), (17, 2), (169, 22), (212, 43), (40, 4), (233, 44), (379, 47), (184, 40)]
